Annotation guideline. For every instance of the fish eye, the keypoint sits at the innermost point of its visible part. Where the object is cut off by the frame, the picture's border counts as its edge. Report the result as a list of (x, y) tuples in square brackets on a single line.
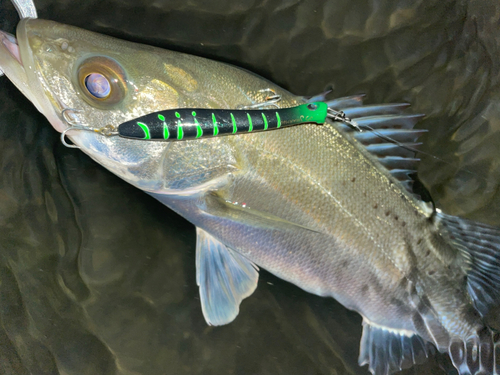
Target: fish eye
[(98, 85), (102, 81)]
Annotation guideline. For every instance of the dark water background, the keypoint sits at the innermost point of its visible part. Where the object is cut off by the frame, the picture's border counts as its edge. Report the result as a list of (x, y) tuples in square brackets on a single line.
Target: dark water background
[(98, 278)]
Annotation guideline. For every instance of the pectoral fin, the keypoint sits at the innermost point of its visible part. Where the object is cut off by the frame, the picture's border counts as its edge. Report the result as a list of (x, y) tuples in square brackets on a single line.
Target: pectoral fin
[(217, 206), (225, 278)]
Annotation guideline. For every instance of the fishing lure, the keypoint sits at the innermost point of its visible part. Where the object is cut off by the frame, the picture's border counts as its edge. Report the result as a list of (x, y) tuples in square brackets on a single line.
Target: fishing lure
[(189, 123)]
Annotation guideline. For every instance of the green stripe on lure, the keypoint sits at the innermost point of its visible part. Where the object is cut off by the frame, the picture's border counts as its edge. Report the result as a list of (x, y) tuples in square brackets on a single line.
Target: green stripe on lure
[(189, 123)]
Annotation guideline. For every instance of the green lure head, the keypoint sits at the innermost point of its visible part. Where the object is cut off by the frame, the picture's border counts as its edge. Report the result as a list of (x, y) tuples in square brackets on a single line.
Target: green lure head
[(315, 112)]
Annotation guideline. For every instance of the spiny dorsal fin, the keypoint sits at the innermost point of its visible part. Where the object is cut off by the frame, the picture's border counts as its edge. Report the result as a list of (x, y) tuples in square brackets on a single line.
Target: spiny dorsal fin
[(389, 121)]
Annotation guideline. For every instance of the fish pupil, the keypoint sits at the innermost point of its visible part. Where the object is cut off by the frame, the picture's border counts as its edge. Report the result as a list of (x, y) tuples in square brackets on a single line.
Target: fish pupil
[(97, 85)]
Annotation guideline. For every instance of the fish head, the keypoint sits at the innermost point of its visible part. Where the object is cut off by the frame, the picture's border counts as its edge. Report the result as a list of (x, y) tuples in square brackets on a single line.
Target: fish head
[(75, 76), (81, 79)]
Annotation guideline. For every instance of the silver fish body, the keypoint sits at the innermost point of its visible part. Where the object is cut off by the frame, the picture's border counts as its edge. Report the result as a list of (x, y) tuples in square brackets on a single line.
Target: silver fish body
[(310, 203)]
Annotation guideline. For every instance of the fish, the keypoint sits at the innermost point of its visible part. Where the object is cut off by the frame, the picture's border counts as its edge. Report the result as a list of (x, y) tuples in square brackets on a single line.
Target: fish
[(325, 207)]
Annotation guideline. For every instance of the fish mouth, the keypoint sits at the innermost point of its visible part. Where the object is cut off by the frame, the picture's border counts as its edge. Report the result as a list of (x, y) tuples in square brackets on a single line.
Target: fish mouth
[(17, 62), (10, 42), (11, 63)]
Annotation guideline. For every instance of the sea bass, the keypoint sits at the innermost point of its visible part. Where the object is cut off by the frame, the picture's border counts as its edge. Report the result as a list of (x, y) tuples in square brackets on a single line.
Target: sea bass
[(321, 206)]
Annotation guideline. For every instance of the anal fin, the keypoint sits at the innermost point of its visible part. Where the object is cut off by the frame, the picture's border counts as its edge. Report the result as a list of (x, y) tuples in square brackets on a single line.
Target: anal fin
[(224, 277), (477, 356), (387, 351)]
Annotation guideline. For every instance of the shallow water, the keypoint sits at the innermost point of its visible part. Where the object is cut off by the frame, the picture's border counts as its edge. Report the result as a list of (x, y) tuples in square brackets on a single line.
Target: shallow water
[(96, 277)]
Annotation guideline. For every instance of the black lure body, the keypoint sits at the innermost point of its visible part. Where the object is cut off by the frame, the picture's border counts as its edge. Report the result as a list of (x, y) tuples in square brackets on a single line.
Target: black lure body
[(192, 123)]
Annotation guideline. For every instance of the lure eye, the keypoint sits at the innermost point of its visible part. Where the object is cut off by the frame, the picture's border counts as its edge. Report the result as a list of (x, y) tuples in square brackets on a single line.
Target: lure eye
[(102, 81), (97, 85)]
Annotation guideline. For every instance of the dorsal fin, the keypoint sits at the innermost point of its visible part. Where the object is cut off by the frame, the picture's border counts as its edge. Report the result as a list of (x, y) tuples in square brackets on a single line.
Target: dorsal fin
[(389, 122)]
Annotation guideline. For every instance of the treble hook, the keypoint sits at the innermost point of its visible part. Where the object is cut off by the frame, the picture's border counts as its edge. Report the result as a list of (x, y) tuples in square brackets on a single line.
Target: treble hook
[(341, 116), (274, 97), (68, 120), (73, 125), (107, 130), (63, 137), (271, 100)]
